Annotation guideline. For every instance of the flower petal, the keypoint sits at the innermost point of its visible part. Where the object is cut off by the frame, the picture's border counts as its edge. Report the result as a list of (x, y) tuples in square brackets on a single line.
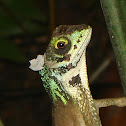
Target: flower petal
[(37, 64)]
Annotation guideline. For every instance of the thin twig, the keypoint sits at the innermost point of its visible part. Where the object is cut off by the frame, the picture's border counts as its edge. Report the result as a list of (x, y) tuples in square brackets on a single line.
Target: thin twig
[(120, 102), (101, 68), (52, 14)]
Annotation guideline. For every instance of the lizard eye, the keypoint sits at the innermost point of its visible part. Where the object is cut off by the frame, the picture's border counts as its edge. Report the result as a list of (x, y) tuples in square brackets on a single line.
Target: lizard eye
[(61, 45)]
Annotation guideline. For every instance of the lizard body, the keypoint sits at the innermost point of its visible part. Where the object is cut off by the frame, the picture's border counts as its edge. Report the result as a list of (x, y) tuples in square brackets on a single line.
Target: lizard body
[(64, 71)]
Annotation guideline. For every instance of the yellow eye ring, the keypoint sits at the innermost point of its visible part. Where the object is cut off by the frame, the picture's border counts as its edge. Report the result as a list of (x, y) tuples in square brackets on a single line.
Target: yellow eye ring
[(59, 43)]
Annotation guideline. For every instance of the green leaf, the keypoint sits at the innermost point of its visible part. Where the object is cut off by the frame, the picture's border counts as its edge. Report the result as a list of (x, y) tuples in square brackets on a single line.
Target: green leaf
[(10, 52), (17, 15), (115, 14)]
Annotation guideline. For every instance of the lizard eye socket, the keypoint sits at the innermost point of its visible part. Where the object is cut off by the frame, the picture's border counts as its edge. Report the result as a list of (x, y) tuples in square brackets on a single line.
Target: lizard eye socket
[(61, 45)]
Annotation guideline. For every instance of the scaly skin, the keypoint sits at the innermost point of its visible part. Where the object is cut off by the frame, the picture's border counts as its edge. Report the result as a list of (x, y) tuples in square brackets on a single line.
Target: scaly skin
[(65, 73)]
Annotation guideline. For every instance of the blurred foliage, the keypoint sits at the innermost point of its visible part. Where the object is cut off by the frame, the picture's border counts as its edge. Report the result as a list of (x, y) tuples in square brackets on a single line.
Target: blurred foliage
[(115, 14), (9, 51), (18, 17), (1, 124)]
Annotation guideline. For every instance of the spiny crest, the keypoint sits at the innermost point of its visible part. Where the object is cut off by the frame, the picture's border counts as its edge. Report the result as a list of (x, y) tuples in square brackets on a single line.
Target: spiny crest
[(53, 86)]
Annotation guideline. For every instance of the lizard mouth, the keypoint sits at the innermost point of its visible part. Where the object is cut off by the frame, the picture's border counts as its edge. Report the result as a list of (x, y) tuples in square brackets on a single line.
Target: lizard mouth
[(76, 58)]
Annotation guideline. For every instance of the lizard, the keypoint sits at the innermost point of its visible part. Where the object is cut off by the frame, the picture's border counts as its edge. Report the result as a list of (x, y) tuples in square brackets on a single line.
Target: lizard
[(64, 71), (64, 74)]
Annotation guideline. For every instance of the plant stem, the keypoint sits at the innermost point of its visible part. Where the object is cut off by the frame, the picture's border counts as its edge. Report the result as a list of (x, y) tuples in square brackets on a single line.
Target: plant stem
[(114, 11)]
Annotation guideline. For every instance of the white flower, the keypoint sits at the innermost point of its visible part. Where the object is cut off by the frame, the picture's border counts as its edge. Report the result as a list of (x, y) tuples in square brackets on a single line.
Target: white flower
[(37, 64)]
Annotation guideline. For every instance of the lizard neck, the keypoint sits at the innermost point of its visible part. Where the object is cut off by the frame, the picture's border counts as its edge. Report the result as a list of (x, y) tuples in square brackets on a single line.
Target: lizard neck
[(74, 80)]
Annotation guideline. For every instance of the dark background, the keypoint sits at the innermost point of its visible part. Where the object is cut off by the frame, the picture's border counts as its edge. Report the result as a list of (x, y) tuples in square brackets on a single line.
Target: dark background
[(25, 30)]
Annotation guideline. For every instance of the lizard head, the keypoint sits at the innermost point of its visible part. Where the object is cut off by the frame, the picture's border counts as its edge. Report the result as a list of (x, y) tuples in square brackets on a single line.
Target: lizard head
[(67, 45)]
